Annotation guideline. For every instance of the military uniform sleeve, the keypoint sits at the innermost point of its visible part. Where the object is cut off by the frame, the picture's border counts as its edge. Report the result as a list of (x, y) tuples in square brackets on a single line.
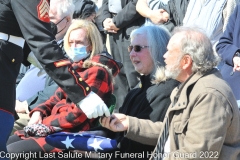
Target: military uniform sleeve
[(33, 20), (98, 79)]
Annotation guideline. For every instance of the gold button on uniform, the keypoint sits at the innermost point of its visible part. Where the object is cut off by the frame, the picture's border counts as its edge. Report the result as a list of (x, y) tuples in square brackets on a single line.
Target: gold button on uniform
[(80, 79), (140, 85), (87, 88), (13, 60)]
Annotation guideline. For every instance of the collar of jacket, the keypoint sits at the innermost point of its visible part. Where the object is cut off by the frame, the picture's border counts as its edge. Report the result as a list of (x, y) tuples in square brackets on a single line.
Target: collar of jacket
[(180, 95), (145, 81)]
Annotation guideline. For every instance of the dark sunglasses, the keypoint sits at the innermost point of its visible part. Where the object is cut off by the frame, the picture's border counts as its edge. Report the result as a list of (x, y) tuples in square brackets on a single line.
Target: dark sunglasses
[(136, 48)]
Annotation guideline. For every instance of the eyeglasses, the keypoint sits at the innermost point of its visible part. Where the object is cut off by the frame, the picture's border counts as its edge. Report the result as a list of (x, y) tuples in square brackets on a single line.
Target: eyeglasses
[(136, 48)]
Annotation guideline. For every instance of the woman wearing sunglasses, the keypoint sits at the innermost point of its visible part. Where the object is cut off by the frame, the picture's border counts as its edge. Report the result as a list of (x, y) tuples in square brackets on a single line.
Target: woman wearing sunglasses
[(148, 100)]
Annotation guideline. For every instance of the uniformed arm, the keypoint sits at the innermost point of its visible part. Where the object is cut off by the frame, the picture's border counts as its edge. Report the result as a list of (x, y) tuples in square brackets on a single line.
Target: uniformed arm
[(99, 80), (225, 46), (206, 129), (41, 41), (127, 15)]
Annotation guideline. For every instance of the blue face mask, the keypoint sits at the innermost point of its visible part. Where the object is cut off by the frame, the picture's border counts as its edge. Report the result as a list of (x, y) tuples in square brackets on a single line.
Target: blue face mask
[(78, 53)]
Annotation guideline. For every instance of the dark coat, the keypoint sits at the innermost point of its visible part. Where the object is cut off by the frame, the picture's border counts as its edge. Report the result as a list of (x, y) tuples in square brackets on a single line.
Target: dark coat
[(176, 10), (228, 45), (146, 101)]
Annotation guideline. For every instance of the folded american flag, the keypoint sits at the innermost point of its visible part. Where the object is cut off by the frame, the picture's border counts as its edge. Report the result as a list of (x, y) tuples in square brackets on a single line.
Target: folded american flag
[(83, 142)]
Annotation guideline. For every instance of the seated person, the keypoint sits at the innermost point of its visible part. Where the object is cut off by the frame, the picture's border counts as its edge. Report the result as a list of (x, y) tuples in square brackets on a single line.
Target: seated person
[(203, 120), (83, 10), (82, 44), (147, 100)]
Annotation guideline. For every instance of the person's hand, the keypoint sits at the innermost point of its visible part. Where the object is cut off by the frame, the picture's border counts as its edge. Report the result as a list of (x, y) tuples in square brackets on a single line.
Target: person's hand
[(159, 16), (106, 23), (236, 63), (36, 118), (117, 122), (93, 106), (21, 107), (109, 26)]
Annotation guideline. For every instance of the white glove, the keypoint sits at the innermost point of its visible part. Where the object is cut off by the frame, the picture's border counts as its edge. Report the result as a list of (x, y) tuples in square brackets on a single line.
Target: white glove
[(33, 60), (93, 106)]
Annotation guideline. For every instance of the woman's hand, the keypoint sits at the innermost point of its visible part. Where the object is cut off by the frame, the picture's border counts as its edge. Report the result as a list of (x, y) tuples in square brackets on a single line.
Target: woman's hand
[(116, 122), (35, 118)]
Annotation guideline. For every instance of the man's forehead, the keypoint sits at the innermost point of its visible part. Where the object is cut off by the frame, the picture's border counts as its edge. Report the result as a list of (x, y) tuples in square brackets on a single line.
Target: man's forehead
[(176, 38)]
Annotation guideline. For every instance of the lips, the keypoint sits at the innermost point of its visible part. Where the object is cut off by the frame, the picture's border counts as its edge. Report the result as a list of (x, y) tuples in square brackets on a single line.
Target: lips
[(135, 61)]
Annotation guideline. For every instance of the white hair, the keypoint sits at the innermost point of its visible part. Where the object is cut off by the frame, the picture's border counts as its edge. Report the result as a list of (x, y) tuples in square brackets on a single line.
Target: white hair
[(64, 7)]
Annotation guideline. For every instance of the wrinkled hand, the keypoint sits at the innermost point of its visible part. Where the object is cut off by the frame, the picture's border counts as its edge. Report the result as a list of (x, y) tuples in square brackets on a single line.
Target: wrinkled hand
[(236, 62), (93, 106), (109, 26), (36, 118), (21, 107), (117, 122), (159, 16)]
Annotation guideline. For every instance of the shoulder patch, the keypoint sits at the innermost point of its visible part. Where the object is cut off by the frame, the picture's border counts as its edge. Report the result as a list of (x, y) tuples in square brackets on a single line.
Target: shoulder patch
[(43, 11), (62, 63)]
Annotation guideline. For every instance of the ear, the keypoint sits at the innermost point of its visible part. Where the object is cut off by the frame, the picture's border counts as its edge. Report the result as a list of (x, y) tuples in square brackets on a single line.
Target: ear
[(186, 62), (68, 19), (89, 48)]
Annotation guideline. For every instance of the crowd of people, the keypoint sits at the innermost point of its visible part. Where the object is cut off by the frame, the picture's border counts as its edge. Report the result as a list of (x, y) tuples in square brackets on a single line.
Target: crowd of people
[(172, 65)]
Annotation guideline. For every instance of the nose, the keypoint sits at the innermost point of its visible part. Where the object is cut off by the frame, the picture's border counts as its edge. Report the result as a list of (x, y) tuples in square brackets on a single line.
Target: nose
[(132, 53), (165, 55)]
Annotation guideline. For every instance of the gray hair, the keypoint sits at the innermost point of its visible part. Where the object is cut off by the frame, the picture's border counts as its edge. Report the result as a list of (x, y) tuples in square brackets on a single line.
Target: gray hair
[(157, 39), (64, 7), (196, 44)]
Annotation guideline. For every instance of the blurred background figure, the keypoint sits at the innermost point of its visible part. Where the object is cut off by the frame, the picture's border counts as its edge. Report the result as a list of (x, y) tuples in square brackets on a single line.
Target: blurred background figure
[(229, 49), (119, 18), (85, 9)]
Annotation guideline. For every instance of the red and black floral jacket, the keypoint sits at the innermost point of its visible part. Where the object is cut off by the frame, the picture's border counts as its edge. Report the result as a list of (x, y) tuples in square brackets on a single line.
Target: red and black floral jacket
[(60, 111)]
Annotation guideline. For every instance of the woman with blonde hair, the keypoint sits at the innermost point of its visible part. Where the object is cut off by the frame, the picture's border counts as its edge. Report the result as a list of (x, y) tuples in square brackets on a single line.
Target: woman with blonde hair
[(83, 45)]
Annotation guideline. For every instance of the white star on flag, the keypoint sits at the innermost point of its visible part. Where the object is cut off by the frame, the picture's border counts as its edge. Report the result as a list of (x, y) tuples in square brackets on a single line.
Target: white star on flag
[(96, 145), (68, 142)]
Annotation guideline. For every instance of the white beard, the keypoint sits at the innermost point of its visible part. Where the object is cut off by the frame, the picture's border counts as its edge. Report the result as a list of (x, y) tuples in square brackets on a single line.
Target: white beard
[(172, 71)]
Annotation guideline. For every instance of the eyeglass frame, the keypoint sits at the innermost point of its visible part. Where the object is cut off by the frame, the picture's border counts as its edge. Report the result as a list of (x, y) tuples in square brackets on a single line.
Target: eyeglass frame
[(131, 47)]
